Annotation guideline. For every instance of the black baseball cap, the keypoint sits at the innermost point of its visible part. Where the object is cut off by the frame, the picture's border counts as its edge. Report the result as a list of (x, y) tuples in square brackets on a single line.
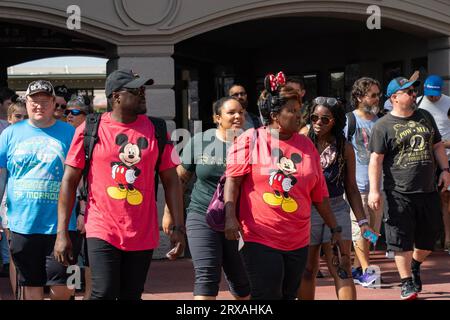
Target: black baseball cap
[(124, 78), (38, 86)]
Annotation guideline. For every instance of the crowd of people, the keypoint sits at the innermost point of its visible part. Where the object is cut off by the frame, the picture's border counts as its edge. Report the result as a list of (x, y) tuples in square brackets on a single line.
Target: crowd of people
[(81, 188)]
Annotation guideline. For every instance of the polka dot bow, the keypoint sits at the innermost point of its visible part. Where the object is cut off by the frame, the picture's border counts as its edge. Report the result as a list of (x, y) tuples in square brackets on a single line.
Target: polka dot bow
[(273, 83)]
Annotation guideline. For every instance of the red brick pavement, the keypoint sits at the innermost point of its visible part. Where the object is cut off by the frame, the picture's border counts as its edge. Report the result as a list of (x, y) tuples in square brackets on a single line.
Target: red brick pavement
[(173, 280)]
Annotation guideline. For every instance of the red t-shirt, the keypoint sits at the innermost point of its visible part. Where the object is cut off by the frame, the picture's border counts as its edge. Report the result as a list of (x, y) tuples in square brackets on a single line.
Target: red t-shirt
[(121, 207), (279, 187)]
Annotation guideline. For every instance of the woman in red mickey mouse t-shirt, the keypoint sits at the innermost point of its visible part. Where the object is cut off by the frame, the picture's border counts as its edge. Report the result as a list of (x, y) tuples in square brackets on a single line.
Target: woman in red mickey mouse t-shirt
[(278, 175)]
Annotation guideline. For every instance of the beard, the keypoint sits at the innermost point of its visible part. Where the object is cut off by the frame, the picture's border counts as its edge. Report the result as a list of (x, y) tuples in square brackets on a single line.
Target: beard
[(142, 108)]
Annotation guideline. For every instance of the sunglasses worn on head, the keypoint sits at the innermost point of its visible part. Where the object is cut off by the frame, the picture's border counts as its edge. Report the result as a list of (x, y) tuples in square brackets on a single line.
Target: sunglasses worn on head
[(329, 101), (237, 94), (74, 112), (325, 120)]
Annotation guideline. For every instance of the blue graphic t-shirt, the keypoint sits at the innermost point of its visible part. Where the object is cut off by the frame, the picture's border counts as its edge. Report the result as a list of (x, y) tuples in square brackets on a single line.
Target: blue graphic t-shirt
[(34, 158), (360, 142)]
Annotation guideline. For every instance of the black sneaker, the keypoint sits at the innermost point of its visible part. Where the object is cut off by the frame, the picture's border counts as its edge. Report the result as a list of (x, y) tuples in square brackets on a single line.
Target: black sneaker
[(416, 280), (408, 291)]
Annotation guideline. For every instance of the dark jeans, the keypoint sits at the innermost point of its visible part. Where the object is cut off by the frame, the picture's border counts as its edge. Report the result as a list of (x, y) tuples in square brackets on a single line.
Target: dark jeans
[(117, 274), (210, 253), (274, 274)]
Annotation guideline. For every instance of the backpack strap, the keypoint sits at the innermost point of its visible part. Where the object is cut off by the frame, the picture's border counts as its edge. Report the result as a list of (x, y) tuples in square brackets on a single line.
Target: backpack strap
[(161, 137), (351, 125), (90, 138)]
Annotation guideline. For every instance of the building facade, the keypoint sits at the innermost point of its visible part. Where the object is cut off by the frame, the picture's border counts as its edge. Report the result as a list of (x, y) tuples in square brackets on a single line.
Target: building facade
[(195, 49)]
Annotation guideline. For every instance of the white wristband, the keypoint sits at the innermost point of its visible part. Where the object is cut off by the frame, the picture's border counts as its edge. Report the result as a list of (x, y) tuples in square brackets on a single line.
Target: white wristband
[(363, 221)]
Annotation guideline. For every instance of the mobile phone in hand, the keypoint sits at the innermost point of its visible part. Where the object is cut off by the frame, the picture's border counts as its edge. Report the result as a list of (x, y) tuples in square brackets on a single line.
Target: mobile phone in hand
[(171, 254), (371, 236)]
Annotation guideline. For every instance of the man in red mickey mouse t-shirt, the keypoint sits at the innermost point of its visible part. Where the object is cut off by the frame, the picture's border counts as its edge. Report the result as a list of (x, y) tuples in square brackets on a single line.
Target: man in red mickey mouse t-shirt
[(121, 215)]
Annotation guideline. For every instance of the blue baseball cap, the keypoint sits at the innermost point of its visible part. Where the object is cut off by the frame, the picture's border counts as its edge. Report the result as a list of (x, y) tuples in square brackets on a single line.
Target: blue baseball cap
[(433, 86), (400, 83)]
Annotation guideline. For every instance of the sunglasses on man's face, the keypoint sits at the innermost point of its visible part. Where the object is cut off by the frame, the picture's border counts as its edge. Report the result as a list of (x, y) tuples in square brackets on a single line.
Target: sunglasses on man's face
[(325, 120), (136, 91), (60, 105), (74, 112), (410, 91)]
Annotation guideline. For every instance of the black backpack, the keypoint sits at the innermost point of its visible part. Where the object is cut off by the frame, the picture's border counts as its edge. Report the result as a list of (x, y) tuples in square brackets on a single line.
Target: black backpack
[(351, 125), (91, 137)]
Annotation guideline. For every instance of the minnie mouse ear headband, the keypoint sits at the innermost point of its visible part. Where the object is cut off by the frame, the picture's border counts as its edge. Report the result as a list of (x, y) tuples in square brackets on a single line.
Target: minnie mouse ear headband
[(272, 102)]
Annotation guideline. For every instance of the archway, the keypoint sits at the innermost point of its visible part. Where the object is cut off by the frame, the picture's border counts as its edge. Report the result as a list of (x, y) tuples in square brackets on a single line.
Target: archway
[(330, 53)]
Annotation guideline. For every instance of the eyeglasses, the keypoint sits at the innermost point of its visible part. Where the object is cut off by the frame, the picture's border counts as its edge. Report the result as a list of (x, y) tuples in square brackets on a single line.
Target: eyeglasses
[(237, 94), (74, 112), (336, 262), (410, 91), (60, 105), (329, 101), (375, 95), (136, 91), (325, 120)]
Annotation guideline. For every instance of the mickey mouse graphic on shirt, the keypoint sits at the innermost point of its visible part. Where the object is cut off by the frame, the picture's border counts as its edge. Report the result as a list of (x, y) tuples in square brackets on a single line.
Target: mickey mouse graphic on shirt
[(125, 172), (282, 181)]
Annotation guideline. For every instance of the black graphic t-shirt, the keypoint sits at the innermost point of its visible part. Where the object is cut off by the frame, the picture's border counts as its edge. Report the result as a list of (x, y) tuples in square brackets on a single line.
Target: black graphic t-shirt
[(407, 145)]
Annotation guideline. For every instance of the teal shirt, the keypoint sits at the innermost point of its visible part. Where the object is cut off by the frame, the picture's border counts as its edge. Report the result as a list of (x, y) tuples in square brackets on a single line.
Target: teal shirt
[(204, 155)]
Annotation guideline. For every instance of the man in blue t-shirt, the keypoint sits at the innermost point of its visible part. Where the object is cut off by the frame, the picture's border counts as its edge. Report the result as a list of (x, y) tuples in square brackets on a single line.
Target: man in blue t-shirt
[(366, 99), (33, 154)]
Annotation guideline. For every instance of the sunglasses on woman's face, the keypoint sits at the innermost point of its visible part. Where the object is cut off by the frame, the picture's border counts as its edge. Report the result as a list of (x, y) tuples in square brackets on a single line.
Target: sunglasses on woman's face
[(74, 112), (325, 120)]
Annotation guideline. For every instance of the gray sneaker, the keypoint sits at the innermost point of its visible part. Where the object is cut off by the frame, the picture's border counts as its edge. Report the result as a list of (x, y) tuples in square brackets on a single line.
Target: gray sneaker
[(408, 291)]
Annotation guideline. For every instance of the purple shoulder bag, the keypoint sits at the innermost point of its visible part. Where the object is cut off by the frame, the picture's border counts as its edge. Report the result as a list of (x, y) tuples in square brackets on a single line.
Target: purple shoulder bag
[(215, 214)]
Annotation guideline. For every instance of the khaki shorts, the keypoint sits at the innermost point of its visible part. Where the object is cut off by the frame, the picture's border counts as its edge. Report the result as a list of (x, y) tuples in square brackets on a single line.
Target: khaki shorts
[(374, 217)]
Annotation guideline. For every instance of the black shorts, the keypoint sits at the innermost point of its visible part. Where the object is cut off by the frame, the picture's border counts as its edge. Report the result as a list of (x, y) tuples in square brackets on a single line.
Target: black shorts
[(412, 220), (34, 260)]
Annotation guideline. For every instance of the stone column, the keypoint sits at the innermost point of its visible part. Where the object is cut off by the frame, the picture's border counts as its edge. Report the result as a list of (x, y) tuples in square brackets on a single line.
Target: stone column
[(439, 60), (154, 62)]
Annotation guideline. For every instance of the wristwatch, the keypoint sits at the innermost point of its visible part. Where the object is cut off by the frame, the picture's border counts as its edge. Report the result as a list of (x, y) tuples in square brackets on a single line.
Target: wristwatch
[(446, 169), (181, 229), (338, 228)]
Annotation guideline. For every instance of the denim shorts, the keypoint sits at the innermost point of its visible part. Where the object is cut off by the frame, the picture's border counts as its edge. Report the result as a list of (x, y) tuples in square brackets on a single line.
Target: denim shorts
[(320, 233)]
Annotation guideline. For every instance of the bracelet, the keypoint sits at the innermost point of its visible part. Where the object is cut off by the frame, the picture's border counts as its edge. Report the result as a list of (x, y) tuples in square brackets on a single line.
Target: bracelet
[(362, 222), (446, 169)]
